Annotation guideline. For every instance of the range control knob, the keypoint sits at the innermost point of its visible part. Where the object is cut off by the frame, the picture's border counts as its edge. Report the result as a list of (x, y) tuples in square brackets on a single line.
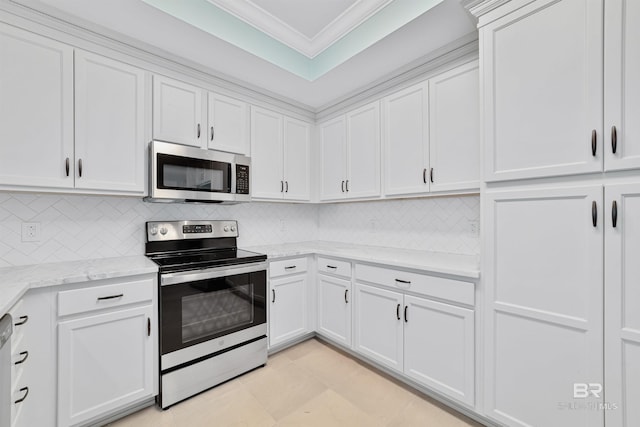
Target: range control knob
[(163, 230), (153, 230), (233, 228), (226, 228)]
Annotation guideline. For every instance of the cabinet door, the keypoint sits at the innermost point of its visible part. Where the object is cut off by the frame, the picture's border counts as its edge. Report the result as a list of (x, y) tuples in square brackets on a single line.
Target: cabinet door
[(333, 158), (228, 124), (543, 277), (454, 129), (266, 154), (36, 110), (110, 124), (104, 363), (288, 309), (622, 318), (334, 309), (363, 144), (406, 141), (297, 143), (178, 112), (622, 86), (543, 90), (377, 325), (439, 347)]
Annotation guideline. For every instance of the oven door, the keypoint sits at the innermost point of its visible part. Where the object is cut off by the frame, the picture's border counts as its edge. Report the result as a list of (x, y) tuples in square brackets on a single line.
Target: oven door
[(207, 311)]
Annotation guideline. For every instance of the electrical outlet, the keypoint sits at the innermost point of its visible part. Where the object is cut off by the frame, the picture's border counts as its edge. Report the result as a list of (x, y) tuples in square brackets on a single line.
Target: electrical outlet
[(30, 231)]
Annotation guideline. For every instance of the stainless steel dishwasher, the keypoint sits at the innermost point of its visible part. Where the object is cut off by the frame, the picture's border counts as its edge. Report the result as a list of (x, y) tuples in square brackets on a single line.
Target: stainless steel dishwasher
[(6, 329)]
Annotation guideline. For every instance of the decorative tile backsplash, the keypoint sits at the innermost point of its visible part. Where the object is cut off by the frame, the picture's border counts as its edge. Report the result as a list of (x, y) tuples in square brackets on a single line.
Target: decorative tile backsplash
[(82, 227), (441, 224)]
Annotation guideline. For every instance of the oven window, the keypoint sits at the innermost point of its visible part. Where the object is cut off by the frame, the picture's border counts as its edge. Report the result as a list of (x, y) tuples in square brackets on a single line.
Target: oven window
[(185, 173), (210, 314), (198, 311)]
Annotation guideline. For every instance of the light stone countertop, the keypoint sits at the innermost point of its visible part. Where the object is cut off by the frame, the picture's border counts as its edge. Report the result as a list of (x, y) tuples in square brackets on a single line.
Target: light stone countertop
[(435, 262), (15, 281)]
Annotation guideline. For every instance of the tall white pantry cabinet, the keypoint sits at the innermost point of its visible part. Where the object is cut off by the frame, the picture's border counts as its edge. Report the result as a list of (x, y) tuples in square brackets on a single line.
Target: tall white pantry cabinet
[(560, 201)]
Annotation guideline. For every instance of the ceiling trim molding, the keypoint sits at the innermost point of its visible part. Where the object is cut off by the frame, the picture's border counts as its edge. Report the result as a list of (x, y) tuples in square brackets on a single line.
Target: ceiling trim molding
[(462, 50), (83, 34), (481, 7), (273, 26)]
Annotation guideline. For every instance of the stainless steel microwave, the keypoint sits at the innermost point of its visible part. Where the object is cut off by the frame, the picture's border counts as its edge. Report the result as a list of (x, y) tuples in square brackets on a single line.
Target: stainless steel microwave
[(187, 174)]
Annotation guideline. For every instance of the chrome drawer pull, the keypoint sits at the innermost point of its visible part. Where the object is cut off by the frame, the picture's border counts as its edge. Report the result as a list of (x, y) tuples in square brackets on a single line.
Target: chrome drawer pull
[(25, 355), (23, 320), (289, 267), (26, 390), (332, 266), (408, 282), (110, 297)]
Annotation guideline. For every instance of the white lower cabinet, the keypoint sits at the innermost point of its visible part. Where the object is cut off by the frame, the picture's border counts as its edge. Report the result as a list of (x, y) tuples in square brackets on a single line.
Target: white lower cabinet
[(334, 309), (288, 311), (105, 363), (429, 341)]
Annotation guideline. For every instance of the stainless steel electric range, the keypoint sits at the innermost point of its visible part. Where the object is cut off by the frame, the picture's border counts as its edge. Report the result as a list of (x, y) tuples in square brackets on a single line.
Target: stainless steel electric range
[(212, 301)]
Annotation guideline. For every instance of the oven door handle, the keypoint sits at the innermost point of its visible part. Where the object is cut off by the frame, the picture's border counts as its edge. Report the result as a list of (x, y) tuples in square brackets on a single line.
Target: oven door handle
[(209, 273)]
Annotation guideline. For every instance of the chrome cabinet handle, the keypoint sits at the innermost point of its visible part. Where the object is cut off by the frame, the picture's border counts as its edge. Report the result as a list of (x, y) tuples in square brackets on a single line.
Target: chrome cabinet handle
[(198, 131), (26, 393), (346, 293), (398, 311), (273, 297), (23, 320), (614, 139), (25, 356), (614, 214), (66, 166), (594, 213), (406, 319), (110, 297), (212, 133), (431, 175), (594, 142), (347, 185), (403, 281), (80, 168)]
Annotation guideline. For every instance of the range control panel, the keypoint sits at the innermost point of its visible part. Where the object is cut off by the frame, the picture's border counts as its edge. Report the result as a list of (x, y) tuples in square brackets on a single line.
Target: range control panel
[(182, 230)]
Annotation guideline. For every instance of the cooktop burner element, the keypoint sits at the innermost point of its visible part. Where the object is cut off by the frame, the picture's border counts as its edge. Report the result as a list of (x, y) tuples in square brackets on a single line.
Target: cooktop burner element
[(191, 245)]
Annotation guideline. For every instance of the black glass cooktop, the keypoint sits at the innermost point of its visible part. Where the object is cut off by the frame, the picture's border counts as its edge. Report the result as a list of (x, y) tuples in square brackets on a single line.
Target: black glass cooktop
[(193, 260)]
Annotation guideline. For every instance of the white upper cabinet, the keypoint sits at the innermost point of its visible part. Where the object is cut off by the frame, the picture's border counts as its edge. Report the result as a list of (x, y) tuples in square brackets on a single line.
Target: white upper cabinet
[(109, 124), (297, 146), (454, 129), (280, 148), (406, 141), (622, 316), (363, 152), (267, 157), (36, 110), (333, 157), (622, 85), (543, 90), (350, 155), (228, 121), (178, 112)]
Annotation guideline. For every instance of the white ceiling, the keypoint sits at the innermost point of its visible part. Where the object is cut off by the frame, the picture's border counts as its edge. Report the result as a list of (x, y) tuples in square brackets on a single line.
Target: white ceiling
[(135, 19)]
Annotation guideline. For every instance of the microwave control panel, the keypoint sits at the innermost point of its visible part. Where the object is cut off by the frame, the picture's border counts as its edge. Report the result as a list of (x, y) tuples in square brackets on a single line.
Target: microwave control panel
[(242, 179)]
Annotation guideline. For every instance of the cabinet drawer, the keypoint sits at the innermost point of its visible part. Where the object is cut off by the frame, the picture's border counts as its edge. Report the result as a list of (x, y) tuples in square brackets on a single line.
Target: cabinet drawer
[(438, 287), (287, 266), (107, 296), (335, 267)]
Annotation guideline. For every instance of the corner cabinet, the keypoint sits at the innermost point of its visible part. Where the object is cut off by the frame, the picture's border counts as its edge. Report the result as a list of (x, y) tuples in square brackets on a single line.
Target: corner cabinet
[(190, 115), (350, 155), (288, 303), (107, 349), (280, 162)]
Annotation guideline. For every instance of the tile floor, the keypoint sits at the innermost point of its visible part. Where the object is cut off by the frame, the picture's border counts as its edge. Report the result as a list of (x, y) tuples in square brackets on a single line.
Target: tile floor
[(310, 384)]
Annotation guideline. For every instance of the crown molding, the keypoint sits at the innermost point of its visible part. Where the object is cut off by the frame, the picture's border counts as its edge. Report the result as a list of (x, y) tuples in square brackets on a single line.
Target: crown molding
[(481, 7), (274, 27)]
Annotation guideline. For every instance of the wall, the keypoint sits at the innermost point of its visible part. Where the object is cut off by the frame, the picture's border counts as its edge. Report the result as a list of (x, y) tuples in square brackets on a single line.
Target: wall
[(83, 227), (442, 224)]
